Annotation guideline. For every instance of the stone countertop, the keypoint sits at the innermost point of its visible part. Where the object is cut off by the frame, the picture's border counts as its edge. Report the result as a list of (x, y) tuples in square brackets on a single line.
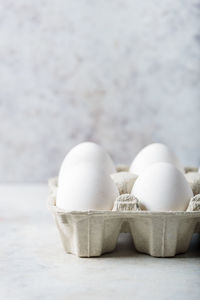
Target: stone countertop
[(33, 264)]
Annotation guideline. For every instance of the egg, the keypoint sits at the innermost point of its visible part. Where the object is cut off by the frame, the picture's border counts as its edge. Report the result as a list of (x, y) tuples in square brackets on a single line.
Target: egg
[(153, 153), (86, 152), (162, 187), (87, 186)]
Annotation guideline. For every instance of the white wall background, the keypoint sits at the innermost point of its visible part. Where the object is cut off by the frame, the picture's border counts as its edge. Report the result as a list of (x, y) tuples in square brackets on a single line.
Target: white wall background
[(123, 73)]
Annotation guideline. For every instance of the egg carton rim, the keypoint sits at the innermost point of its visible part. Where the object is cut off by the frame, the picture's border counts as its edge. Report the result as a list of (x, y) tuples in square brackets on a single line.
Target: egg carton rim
[(129, 214), (52, 206)]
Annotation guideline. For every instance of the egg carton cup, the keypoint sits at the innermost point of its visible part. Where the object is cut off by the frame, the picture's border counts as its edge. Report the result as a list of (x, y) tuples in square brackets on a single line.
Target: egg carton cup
[(92, 233)]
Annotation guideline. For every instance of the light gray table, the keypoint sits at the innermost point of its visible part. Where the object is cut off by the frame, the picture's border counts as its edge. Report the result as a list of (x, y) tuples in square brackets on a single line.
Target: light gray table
[(33, 264)]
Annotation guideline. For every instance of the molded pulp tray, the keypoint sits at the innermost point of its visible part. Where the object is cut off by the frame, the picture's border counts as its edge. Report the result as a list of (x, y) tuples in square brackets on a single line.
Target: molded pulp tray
[(92, 233)]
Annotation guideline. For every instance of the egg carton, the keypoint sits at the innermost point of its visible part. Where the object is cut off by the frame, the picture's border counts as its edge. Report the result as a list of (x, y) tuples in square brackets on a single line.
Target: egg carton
[(93, 233)]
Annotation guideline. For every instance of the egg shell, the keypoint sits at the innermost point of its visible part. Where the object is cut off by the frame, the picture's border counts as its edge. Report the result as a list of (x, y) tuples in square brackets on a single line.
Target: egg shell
[(86, 152), (162, 187), (153, 153), (86, 187)]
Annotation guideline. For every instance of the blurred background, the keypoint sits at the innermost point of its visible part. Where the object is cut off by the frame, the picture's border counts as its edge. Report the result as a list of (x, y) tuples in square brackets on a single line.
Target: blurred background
[(122, 73)]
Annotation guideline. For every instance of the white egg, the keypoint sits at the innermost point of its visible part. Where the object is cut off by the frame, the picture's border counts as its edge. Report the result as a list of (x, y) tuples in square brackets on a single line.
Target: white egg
[(162, 187), (86, 187), (153, 153), (86, 152)]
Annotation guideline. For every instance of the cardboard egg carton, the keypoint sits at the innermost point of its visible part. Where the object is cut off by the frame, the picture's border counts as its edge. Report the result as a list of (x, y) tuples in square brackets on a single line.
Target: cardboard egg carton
[(92, 233)]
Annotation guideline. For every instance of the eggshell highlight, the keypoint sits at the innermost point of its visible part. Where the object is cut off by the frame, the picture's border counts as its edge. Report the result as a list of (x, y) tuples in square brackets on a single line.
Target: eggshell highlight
[(86, 152), (162, 187), (153, 153)]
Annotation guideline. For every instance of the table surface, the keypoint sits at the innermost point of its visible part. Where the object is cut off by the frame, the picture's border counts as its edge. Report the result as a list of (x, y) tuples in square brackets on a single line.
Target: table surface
[(33, 264)]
